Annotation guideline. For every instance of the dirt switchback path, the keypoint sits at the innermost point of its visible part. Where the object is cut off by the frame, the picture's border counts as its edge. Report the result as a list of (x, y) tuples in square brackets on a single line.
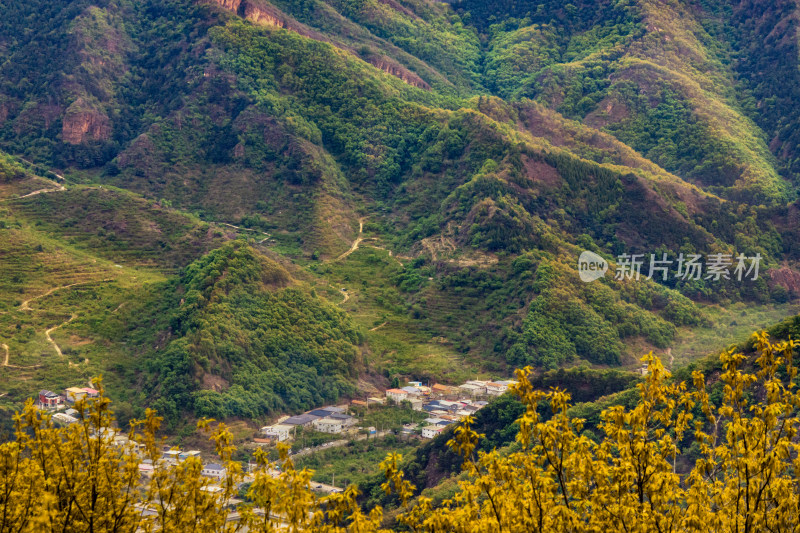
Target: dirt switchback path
[(50, 339), (5, 362), (356, 242), (43, 191), (24, 306)]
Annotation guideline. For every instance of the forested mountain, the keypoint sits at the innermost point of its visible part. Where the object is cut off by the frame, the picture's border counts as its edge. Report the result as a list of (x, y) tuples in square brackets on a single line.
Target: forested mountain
[(245, 207)]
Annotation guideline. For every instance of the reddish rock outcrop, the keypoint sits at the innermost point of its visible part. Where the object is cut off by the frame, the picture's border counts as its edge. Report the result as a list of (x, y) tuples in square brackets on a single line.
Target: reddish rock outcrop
[(787, 278), (398, 71), (264, 13), (232, 5), (83, 123)]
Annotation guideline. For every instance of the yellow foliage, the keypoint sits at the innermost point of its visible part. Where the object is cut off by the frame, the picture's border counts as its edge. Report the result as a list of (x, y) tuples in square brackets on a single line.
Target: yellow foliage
[(555, 478)]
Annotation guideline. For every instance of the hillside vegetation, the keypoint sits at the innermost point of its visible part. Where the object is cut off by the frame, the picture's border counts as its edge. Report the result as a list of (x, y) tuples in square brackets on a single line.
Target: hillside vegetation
[(236, 208)]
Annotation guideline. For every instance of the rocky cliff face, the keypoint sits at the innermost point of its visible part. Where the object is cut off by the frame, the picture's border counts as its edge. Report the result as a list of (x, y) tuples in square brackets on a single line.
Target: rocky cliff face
[(263, 13), (232, 5), (83, 123)]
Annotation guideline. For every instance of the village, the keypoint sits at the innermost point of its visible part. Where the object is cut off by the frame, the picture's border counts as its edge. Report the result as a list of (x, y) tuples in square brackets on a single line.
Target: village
[(444, 405)]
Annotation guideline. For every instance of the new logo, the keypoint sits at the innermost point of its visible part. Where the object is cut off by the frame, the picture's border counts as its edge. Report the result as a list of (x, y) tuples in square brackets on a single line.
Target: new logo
[(591, 266)]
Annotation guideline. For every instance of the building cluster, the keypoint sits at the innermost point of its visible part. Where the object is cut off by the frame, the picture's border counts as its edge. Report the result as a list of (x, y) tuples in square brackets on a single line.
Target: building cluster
[(173, 456), (446, 404), (66, 415), (332, 419), (52, 401)]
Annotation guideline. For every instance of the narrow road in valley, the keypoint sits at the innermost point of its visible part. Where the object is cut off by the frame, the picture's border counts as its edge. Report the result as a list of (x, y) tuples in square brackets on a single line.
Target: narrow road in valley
[(356, 242), (5, 347), (325, 487), (346, 295), (49, 331), (376, 328)]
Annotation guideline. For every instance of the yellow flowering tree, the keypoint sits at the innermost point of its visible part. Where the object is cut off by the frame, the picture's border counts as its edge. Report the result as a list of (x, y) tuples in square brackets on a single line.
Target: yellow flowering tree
[(555, 477)]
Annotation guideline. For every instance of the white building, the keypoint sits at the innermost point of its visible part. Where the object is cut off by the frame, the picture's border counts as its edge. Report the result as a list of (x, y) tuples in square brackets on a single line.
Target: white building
[(328, 425), (396, 395), (214, 470), (189, 453), (171, 456), (495, 389), (346, 420), (64, 419), (429, 432), (474, 388), (278, 432)]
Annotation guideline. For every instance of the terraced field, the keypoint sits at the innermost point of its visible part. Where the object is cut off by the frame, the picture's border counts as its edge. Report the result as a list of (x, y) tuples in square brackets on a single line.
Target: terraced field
[(72, 258)]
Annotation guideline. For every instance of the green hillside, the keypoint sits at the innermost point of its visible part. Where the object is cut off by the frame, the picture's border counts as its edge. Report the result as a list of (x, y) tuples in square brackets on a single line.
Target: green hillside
[(238, 208)]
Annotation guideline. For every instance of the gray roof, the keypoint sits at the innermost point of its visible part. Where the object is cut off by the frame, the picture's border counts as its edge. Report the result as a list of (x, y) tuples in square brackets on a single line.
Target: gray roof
[(300, 420), (321, 412)]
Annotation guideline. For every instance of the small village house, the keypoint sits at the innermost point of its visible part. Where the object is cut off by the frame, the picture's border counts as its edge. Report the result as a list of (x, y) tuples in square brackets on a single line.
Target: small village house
[(49, 400), (64, 419), (474, 388), (416, 403), (495, 389), (396, 395), (328, 425), (443, 391), (346, 420), (188, 453), (170, 456), (74, 394), (214, 470), (301, 420), (429, 432), (277, 432)]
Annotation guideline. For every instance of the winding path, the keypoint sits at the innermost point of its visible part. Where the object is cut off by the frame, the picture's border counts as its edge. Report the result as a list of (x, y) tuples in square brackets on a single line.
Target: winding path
[(31, 163), (356, 242), (43, 191), (245, 229), (5, 363), (24, 306), (50, 339)]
